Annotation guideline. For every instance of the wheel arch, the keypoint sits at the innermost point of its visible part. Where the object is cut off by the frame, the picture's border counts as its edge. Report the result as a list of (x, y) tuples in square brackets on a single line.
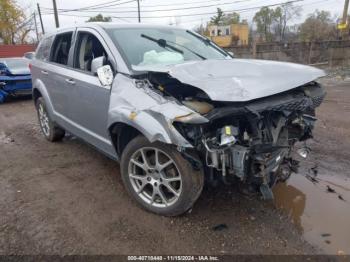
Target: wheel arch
[(121, 134), (36, 94), (39, 90)]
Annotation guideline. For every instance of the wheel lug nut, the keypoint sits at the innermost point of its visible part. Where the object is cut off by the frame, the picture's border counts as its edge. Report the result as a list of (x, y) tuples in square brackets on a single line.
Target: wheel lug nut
[(148, 179)]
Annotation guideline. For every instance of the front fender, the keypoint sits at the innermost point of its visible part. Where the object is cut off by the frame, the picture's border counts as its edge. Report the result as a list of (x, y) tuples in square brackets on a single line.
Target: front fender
[(153, 126), (147, 111)]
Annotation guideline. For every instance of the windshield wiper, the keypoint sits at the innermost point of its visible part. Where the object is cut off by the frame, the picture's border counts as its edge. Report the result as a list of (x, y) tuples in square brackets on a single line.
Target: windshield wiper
[(203, 39), (208, 42), (190, 50), (164, 43)]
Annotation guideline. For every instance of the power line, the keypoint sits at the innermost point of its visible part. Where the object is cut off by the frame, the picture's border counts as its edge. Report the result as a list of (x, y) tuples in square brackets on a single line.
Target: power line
[(120, 18), (208, 13), (107, 4), (211, 13), (165, 10), (177, 4), (151, 6), (246, 11)]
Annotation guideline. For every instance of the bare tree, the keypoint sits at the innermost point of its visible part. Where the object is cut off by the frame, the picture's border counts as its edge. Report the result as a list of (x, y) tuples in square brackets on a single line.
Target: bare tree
[(283, 16)]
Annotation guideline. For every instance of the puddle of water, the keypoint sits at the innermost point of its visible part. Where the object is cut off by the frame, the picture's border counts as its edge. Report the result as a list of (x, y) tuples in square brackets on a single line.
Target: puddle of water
[(322, 217)]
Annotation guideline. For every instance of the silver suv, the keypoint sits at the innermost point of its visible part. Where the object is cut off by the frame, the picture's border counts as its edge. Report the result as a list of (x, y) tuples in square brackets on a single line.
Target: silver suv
[(175, 109)]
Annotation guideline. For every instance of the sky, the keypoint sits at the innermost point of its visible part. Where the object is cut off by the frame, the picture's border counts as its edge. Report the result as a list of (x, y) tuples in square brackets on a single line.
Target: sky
[(187, 18)]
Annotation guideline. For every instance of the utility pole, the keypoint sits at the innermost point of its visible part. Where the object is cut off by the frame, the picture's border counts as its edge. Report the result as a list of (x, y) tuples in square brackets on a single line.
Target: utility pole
[(138, 9), (41, 20), (345, 12), (36, 28), (56, 13)]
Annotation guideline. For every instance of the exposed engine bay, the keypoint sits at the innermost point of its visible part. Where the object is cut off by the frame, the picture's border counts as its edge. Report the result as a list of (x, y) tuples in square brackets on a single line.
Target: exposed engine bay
[(252, 141)]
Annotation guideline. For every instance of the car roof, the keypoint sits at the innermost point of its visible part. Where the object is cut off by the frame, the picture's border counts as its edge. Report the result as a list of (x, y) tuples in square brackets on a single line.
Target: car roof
[(134, 25), (111, 25)]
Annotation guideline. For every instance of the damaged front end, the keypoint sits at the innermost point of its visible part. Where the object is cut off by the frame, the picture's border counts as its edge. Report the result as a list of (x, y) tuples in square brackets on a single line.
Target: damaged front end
[(253, 142), (241, 132)]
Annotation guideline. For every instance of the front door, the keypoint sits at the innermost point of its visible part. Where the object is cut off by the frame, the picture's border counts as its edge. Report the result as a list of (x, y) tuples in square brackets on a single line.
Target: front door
[(89, 100)]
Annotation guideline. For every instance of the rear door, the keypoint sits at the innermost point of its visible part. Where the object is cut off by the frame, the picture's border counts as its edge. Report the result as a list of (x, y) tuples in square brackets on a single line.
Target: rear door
[(56, 71), (89, 100)]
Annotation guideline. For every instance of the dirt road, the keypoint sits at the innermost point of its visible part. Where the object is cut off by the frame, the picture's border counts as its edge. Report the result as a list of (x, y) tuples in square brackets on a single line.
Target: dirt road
[(67, 198)]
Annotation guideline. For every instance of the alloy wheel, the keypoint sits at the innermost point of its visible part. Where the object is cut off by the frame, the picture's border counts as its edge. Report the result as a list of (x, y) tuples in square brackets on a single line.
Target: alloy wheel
[(155, 177), (44, 120)]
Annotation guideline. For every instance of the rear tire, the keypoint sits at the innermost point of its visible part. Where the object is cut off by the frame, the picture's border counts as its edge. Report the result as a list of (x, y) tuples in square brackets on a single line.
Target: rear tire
[(50, 130), (166, 183)]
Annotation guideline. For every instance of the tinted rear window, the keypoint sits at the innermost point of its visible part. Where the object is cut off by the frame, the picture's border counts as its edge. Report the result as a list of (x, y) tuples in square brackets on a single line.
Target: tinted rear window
[(43, 52)]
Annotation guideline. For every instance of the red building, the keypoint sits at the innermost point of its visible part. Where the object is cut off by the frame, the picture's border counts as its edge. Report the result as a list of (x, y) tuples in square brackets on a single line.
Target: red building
[(15, 50)]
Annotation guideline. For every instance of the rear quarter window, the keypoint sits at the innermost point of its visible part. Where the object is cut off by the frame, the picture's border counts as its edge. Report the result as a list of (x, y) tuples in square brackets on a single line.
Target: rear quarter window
[(43, 51)]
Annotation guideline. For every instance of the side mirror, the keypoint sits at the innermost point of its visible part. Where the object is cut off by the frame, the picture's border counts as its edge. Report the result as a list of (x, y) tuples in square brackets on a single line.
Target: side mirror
[(104, 72), (105, 75), (97, 63), (29, 55)]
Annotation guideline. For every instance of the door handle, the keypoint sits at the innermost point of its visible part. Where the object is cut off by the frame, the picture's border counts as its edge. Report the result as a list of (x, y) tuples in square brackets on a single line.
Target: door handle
[(70, 81), (44, 72)]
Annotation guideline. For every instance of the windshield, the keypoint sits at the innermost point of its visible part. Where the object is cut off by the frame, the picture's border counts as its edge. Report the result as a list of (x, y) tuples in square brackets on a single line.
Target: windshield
[(162, 46)]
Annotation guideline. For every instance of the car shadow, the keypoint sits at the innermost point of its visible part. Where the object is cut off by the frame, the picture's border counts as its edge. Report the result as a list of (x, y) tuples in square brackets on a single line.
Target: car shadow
[(16, 99)]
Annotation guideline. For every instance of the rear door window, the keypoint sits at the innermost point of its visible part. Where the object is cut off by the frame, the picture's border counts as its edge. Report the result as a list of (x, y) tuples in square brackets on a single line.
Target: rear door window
[(60, 48), (43, 52)]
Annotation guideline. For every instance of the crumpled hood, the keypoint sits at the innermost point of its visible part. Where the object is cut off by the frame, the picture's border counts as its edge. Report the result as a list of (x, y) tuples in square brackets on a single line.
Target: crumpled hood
[(238, 80)]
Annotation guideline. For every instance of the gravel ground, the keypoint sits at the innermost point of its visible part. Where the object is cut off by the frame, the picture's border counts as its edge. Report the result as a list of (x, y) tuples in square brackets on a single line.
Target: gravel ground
[(67, 198)]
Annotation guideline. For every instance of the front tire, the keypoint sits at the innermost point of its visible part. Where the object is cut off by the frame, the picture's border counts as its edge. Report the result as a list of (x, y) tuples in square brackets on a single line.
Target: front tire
[(159, 178), (49, 129)]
